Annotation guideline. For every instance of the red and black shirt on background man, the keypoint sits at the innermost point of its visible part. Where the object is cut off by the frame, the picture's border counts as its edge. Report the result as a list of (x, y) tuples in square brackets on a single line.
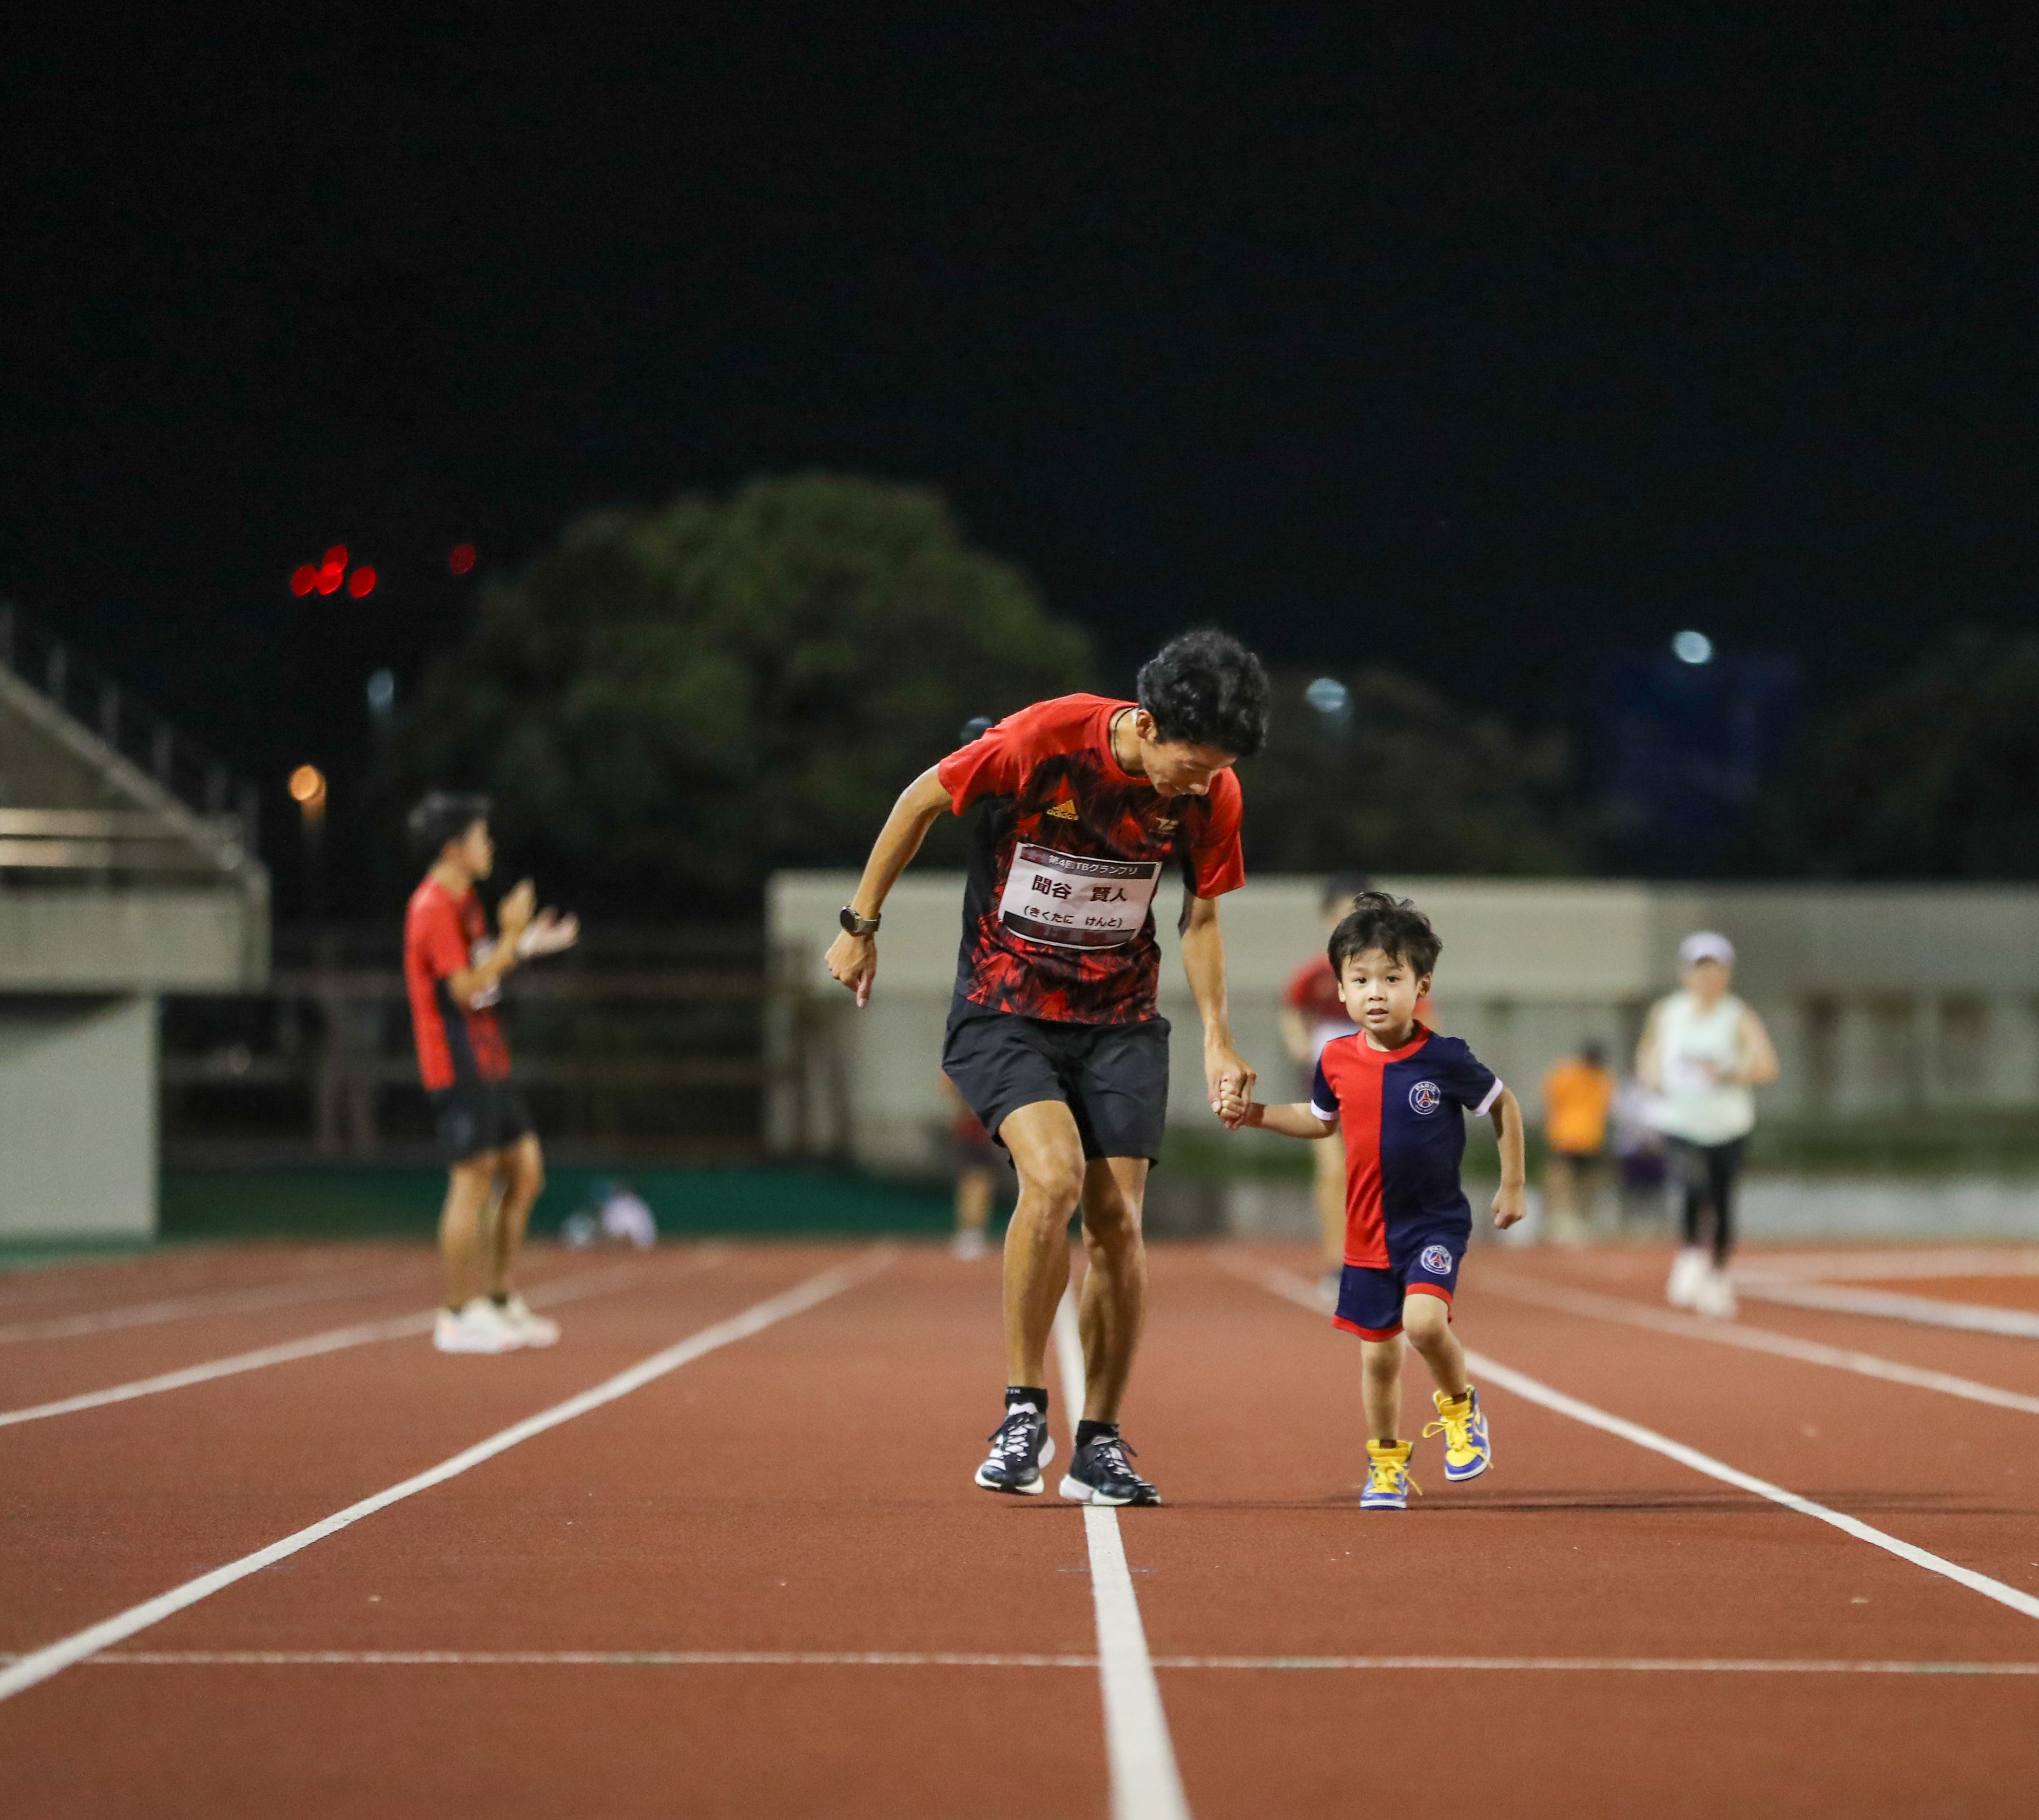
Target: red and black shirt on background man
[(457, 1044)]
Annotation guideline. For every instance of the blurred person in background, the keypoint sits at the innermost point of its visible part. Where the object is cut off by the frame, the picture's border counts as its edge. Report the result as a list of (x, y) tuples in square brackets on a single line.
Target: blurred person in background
[(1578, 1094), (1703, 1052), (1313, 1013), (976, 1161), (1638, 1151), (452, 975)]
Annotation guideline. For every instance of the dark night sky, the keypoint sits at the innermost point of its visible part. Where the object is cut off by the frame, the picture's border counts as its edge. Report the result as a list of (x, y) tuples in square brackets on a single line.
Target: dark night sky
[(1475, 353)]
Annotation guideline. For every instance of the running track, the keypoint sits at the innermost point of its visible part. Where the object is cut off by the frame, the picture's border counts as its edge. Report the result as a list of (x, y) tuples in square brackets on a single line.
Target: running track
[(737, 1583)]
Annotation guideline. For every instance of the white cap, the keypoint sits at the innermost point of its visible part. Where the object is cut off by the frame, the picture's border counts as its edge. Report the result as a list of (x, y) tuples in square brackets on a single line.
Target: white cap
[(1706, 944)]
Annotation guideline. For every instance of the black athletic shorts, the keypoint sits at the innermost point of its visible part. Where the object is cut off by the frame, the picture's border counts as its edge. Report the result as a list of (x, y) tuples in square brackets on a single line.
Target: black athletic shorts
[(1114, 1077), (477, 1116)]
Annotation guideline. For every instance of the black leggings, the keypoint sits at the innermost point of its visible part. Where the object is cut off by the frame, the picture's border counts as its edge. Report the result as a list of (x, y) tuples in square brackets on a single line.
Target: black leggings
[(1706, 1172)]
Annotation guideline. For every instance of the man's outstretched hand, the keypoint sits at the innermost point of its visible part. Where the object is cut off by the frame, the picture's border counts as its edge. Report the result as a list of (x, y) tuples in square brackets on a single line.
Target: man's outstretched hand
[(852, 961), (1228, 1077)]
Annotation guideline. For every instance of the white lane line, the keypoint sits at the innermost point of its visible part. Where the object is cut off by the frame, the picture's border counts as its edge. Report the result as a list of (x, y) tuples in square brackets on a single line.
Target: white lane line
[(218, 1302), (338, 1340), (1887, 1304), (945, 1658), (1292, 1288), (1889, 1265), (1752, 1339), (39, 1666), (1145, 1784)]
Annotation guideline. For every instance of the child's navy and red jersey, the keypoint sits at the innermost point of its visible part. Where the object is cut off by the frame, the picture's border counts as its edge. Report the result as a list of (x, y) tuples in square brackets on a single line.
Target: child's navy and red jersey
[(1058, 918), (1403, 1115), (457, 1044)]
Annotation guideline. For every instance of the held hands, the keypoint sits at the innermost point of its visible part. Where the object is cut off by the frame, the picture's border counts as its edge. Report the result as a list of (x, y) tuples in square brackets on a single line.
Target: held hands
[(852, 961), (1234, 1109), (1230, 1080), (1511, 1205)]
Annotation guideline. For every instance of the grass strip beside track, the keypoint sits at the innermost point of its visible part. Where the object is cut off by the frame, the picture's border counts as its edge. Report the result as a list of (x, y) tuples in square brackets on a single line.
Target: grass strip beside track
[(40, 1665), (334, 1339), (1292, 1288), (1145, 1783)]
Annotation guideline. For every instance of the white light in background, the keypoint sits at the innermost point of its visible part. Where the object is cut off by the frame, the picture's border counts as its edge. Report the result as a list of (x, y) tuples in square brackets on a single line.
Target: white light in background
[(1327, 695), (1692, 648)]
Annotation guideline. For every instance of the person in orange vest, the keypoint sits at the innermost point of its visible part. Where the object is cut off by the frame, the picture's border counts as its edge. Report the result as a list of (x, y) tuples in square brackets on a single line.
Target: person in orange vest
[(1578, 1094)]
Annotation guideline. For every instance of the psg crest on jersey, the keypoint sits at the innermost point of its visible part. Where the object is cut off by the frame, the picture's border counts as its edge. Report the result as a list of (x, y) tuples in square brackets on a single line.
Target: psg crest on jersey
[(1425, 1098), (1437, 1260)]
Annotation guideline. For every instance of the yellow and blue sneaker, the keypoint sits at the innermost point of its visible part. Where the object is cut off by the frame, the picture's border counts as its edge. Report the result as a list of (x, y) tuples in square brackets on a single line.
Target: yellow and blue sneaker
[(1387, 1481), (1468, 1450)]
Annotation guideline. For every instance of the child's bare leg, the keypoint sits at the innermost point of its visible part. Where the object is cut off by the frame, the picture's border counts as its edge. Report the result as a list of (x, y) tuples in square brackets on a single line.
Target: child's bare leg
[(1426, 1320), (1380, 1386)]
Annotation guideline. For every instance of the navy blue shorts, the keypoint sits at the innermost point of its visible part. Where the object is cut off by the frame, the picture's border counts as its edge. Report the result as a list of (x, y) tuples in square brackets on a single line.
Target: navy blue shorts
[(1422, 1260)]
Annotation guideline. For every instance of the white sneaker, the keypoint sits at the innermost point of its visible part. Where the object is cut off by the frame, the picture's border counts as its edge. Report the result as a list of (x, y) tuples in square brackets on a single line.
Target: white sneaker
[(531, 1329), (478, 1326), (968, 1245), (1715, 1295), (1687, 1272)]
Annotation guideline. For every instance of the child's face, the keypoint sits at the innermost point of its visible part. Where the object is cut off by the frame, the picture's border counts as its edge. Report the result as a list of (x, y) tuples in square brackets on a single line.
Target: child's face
[(1380, 991)]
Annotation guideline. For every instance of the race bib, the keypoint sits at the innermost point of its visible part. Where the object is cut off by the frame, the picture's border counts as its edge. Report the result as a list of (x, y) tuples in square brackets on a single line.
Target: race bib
[(1066, 900)]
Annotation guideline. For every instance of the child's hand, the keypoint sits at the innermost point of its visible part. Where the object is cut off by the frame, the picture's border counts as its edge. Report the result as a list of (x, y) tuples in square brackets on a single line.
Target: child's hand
[(1233, 1108), (1511, 1205)]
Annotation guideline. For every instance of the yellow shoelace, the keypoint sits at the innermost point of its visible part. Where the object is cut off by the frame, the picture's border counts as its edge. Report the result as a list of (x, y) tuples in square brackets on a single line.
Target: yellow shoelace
[(1390, 1474), (1456, 1429)]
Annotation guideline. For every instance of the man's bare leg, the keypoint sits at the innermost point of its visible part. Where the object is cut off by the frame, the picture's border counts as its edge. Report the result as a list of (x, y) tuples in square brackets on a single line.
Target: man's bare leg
[(1047, 1154), (1114, 1306), (462, 1220), (523, 1165)]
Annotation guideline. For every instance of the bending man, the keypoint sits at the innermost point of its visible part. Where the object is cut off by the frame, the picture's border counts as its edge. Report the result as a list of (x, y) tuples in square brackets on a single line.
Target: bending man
[(1053, 1038)]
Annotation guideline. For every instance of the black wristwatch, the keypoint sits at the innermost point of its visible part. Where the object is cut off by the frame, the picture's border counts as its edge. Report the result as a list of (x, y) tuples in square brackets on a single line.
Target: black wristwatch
[(859, 924)]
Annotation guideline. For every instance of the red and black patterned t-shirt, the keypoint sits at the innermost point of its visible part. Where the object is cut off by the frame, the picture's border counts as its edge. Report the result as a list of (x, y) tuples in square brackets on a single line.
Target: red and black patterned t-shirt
[(1065, 861)]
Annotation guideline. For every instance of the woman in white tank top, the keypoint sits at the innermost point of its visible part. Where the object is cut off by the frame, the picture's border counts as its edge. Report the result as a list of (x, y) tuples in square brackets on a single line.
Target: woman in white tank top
[(1702, 1053)]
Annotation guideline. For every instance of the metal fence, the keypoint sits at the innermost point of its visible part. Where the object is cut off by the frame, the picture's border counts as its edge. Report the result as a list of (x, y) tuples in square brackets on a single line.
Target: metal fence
[(645, 1044)]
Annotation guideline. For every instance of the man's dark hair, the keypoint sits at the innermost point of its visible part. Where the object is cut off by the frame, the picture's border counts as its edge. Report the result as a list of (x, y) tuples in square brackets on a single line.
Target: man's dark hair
[(1394, 925), (1206, 689), (441, 816), (1341, 889), (1593, 1053)]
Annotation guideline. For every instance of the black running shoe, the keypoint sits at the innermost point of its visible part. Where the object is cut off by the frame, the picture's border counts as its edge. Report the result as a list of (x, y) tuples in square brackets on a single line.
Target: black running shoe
[(1020, 1447), (1099, 1475)]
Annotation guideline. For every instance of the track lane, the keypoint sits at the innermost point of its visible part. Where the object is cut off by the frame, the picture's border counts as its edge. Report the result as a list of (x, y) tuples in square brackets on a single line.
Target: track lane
[(807, 1490), (1577, 1546)]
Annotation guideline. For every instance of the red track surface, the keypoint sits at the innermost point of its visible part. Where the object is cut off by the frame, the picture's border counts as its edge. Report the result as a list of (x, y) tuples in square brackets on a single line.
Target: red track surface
[(807, 1490)]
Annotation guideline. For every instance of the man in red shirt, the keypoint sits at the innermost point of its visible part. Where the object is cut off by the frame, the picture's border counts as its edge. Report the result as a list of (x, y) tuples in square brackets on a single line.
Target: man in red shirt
[(453, 973), (1054, 1040)]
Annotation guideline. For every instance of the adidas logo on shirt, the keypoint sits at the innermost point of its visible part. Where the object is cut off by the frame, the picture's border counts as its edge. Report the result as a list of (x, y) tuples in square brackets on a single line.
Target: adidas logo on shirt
[(1065, 811)]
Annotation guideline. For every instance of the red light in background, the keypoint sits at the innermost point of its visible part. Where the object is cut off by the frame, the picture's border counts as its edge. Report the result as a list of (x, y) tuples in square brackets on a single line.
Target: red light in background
[(336, 557), (361, 583), (303, 578), (461, 559), (329, 580)]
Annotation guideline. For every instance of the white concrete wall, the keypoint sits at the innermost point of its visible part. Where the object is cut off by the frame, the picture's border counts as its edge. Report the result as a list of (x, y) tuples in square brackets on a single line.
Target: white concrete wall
[(83, 940), (78, 1116), (1898, 998)]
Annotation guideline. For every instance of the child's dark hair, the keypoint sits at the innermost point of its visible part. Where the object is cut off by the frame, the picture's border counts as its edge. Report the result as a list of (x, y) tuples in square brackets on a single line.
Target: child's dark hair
[(1207, 689), (1394, 925), (443, 816)]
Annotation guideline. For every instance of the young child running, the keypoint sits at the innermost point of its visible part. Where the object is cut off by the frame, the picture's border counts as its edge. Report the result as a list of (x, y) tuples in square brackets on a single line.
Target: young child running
[(1398, 1092)]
